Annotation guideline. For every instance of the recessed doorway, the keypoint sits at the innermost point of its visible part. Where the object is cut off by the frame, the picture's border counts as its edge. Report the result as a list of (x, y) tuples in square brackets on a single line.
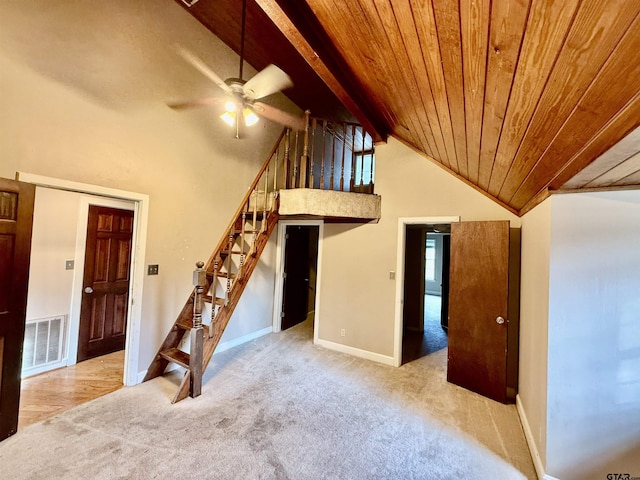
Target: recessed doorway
[(426, 286), (297, 285)]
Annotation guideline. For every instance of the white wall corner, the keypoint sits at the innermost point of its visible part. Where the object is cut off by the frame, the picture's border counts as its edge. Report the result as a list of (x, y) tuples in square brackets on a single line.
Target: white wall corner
[(533, 448)]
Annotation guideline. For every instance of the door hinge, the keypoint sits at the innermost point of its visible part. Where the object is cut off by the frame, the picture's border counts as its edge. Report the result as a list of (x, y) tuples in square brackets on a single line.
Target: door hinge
[(281, 314), (284, 274)]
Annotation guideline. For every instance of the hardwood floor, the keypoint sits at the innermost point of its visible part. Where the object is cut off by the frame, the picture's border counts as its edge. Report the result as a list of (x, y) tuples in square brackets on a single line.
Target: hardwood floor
[(50, 393)]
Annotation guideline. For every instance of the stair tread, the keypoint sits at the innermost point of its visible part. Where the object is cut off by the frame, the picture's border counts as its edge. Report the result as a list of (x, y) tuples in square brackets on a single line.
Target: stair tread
[(176, 355), (188, 323), (223, 275), (208, 299), (233, 252)]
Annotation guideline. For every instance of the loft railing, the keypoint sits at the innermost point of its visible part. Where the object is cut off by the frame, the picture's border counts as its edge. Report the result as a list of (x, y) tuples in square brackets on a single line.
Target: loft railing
[(327, 155)]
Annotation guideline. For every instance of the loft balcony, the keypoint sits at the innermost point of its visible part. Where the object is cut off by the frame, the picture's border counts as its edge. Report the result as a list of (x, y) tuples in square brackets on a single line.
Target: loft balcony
[(325, 172)]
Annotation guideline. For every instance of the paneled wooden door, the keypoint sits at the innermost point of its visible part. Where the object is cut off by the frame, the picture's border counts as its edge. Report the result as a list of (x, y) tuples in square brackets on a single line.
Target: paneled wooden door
[(478, 307), (105, 295), (16, 219)]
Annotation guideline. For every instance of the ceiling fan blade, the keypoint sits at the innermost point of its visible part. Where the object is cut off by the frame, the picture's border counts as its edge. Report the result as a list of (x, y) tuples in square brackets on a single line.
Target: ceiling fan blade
[(267, 81), (203, 102), (203, 68), (279, 116)]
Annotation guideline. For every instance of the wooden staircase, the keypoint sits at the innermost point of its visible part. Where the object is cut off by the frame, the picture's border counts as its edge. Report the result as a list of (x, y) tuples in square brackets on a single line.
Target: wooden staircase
[(326, 156), (220, 282)]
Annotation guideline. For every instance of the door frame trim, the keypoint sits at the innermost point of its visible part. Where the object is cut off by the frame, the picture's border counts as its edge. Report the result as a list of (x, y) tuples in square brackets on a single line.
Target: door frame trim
[(279, 284), (399, 300), (141, 220)]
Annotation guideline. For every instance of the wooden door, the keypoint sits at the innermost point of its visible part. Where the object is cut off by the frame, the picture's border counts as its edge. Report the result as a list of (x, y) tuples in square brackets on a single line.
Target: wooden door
[(478, 301), (103, 314), (16, 218), (296, 280)]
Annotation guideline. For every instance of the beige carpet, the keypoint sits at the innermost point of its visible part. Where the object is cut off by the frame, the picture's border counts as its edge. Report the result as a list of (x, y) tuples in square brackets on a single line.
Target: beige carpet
[(281, 408)]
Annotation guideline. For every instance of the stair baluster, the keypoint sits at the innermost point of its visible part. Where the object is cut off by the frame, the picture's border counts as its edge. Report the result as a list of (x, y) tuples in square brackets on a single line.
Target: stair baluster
[(214, 287), (344, 147), (324, 151), (286, 170), (229, 265), (263, 223), (242, 242), (352, 181), (333, 161), (304, 158), (313, 143)]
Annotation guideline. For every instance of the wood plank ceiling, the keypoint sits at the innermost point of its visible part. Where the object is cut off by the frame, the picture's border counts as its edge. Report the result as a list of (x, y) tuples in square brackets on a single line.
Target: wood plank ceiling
[(515, 97)]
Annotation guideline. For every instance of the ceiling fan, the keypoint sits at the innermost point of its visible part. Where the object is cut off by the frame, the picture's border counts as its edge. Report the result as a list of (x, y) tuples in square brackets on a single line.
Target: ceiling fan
[(241, 105)]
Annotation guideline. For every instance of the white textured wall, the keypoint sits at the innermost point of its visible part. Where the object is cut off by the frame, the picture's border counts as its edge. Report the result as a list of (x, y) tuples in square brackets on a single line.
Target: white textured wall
[(356, 292), (534, 316), (594, 336), (84, 90)]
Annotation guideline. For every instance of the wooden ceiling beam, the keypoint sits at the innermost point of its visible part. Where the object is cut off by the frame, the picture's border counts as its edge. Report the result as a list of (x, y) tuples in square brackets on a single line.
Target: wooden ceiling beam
[(291, 19)]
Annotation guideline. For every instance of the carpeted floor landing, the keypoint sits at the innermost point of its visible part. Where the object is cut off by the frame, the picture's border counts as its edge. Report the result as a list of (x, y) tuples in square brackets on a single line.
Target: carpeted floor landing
[(281, 408)]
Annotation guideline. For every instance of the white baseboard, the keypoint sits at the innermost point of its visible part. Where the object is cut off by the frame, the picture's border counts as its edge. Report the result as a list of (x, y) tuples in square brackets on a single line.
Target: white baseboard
[(356, 352), (533, 448), (220, 348), (244, 339)]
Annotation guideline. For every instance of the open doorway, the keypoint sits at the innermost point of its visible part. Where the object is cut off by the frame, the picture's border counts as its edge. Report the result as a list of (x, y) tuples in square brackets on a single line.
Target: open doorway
[(426, 286), (56, 295), (299, 249)]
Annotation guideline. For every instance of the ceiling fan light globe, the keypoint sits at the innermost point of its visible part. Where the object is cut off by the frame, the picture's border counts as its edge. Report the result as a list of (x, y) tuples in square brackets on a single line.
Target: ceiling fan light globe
[(250, 118), (230, 106), (229, 118)]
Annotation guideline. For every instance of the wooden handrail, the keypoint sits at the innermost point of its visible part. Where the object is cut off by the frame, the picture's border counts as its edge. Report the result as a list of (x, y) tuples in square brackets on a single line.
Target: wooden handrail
[(246, 197)]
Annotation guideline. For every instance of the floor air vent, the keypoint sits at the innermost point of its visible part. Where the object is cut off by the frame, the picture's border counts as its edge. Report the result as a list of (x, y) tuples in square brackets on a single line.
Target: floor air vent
[(44, 341)]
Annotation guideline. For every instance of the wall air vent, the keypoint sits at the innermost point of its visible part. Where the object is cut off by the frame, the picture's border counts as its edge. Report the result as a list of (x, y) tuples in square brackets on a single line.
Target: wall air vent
[(44, 344)]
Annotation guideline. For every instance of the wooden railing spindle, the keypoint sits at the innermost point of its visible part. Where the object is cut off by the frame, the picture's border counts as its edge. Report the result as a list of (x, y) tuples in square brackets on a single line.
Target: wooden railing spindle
[(296, 178), (214, 286), (287, 164), (266, 196), (362, 160), (344, 146), (229, 247), (324, 151), (353, 158), (242, 242), (333, 162), (304, 159), (311, 155)]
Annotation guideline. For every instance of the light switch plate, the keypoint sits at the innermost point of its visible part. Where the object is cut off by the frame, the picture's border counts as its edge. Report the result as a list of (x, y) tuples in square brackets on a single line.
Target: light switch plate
[(68, 264), (392, 275)]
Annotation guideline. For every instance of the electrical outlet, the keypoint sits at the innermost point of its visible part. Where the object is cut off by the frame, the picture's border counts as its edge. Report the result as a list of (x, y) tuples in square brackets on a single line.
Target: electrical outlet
[(343, 332), (152, 270), (68, 264)]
